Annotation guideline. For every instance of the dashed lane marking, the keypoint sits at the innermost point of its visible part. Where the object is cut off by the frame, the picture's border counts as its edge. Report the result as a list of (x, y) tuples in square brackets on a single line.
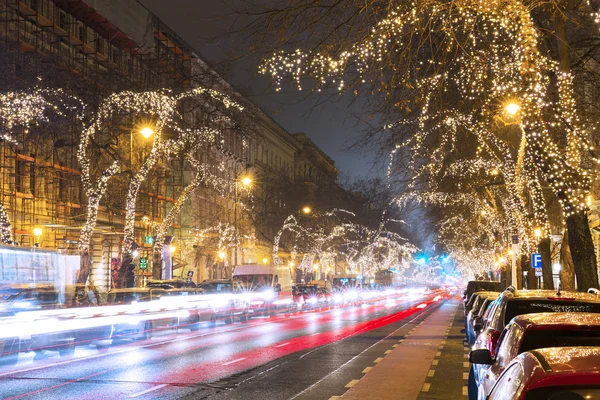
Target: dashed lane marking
[(378, 359), (435, 362), (438, 354), (431, 372), (465, 376), (234, 361), (364, 371), (152, 389), (465, 391), (387, 352), (394, 346), (426, 387), (352, 383), (466, 364)]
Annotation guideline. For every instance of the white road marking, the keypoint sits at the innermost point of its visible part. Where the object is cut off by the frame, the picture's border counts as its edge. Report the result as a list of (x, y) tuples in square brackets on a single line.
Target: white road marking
[(426, 387), (234, 361), (152, 389), (352, 383), (283, 344)]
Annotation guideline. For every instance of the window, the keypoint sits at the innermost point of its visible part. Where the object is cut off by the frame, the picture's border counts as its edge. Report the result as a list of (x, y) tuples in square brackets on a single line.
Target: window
[(507, 348), (508, 384)]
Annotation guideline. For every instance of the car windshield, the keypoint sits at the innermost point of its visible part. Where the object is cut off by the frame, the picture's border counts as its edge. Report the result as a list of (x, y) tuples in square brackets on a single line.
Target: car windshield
[(564, 393), (125, 297), (543, 338), (530, 306), (307, 289), (216, 287), (246, 283)]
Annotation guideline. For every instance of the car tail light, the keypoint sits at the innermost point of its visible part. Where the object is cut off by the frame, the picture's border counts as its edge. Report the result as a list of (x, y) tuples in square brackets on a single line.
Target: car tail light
[(493, 342)]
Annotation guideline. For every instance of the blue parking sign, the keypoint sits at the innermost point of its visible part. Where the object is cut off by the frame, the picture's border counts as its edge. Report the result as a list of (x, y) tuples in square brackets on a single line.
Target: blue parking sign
[(536, 260)]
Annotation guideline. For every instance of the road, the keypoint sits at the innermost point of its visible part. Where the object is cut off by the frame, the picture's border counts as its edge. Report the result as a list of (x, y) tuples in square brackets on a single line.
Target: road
[(310, 355)]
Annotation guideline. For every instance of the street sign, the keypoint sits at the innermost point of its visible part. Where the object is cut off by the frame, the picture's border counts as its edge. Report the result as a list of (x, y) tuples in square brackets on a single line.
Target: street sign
[(536, 261), (538, 272)]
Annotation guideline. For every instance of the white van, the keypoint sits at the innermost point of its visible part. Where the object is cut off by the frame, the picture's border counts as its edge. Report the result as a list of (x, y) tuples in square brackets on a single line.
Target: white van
[(270, 283)]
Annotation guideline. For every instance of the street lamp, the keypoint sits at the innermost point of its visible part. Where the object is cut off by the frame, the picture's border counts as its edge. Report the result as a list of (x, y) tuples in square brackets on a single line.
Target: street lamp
[(265, 260), (245, 181), (147, 132), (512, 108), (306, 210), (37, 233)]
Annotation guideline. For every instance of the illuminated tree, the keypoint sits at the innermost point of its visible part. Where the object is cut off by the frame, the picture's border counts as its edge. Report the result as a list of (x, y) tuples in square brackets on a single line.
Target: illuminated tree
[(431, 58)]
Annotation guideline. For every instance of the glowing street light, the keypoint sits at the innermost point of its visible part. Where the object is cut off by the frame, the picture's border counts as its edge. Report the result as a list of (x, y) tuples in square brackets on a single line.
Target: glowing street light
[(306, 210), (147, 132), (246, 181), (292, 265), (221, 255), (37, 232), (537, 232), (172, 248), (265, 260), (512, 108)]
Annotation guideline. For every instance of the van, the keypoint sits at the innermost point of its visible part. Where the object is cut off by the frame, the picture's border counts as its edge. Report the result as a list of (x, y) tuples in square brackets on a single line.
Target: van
[(265, 285)]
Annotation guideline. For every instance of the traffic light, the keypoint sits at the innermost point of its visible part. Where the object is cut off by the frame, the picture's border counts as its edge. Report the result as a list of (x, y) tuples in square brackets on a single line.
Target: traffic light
[(143, 263)]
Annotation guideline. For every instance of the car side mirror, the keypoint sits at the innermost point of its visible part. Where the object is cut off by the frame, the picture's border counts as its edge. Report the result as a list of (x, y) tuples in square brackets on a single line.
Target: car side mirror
[(481, 356)]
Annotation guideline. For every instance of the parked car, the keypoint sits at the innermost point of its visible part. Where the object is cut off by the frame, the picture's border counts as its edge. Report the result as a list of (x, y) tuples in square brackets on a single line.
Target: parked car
[(477, 286), (216, 286), (480, 305), (170, 284), (310, 296), (565, 373), (518, 302), (141, 328), (225, 305), (536, 331)]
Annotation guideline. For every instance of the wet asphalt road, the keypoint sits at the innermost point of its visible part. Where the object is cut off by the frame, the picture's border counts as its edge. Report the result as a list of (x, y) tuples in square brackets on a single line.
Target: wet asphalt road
[(305, 356)]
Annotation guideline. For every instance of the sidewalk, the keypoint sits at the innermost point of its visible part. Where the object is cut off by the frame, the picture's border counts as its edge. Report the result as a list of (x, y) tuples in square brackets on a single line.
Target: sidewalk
[(402, 373)]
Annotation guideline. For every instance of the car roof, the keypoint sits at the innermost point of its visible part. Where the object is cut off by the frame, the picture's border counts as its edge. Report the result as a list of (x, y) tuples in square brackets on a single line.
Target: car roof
[(553, 319), (519, 295), (568, 359), (134, 290), (215, 281)]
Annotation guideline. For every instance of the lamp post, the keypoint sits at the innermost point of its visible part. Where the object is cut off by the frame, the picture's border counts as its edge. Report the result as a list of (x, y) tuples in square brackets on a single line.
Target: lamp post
[(245, 181), (146, 132), (37, 233)]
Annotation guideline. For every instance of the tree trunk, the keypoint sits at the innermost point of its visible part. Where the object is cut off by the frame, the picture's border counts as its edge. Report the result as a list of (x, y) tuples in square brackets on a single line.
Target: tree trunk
[(126, 278), (582, 251), (519, 274), (545, 251), (156, 264), (84, 273), (567, 269)]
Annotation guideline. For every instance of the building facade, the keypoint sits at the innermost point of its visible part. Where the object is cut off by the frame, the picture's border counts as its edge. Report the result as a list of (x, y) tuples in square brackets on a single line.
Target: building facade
[(93, 48)]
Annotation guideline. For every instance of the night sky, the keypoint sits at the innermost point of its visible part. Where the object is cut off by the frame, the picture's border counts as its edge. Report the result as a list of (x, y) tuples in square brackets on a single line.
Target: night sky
[(332, 126)]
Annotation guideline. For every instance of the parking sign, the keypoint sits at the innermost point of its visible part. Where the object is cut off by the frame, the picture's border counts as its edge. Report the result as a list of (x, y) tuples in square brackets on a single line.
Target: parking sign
[(536, 260)]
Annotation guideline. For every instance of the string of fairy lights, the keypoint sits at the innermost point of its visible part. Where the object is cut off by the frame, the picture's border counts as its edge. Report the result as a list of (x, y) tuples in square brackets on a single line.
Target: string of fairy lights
[(489, 56), (337, 242)]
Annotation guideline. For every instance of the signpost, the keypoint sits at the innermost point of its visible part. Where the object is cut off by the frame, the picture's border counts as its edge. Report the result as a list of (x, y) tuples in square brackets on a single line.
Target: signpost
[(536, 264), (515, 251)]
